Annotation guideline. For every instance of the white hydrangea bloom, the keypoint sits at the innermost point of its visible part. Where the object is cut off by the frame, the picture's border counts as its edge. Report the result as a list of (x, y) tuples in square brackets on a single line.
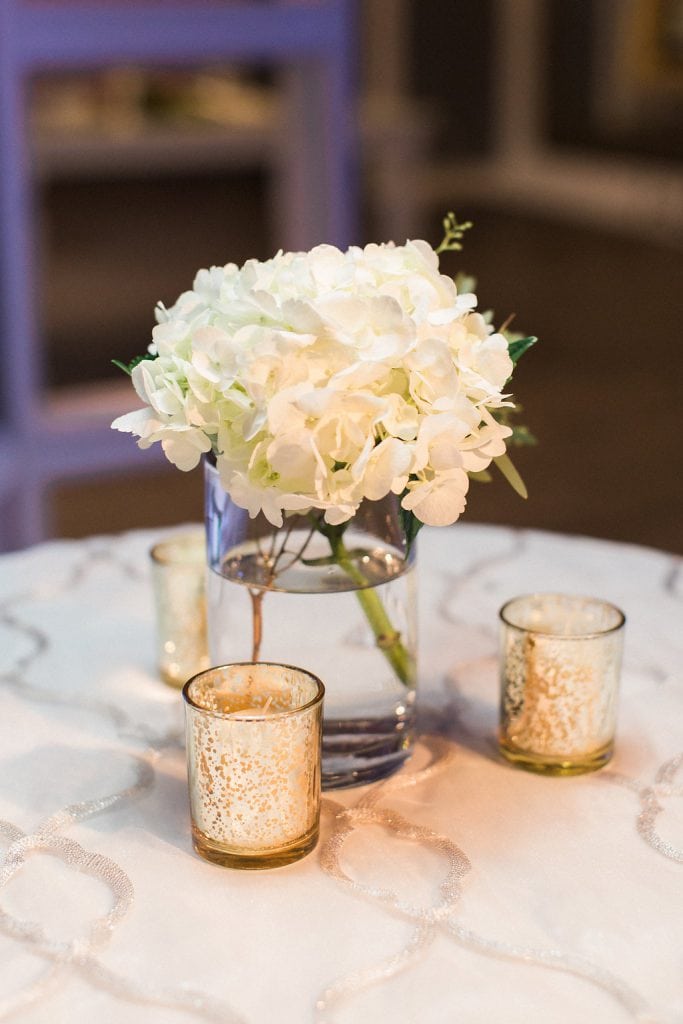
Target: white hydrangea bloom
[(324, 378)]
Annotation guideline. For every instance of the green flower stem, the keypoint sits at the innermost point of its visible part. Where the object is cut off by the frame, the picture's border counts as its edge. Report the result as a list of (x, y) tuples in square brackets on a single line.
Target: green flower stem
[(388, 639)]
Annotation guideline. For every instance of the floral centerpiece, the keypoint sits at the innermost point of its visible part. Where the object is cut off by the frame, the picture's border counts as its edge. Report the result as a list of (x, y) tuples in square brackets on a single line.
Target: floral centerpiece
[(317, 382)]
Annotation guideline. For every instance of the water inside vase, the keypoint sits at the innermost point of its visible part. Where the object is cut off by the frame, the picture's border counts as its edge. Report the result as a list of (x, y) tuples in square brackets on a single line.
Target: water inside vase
[(313, 614)]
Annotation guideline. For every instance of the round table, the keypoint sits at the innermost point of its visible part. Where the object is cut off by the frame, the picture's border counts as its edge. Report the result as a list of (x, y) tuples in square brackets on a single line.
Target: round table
[(461, 888)]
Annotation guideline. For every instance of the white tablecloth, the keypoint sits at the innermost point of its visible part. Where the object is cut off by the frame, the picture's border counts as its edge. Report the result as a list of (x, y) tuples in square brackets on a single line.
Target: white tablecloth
[(515, 897)]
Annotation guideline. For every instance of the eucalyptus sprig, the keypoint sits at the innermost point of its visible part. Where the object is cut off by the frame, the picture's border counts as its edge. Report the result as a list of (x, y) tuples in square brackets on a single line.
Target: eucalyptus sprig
[(518, 344), (453, 233)]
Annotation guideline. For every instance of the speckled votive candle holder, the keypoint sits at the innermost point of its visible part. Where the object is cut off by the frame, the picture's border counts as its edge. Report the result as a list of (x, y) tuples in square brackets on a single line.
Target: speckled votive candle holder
[(253, 759), (179, 578), (560, 669)]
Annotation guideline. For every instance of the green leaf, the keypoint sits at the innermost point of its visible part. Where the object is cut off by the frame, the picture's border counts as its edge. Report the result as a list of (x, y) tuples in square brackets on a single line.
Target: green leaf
[(504, 464), (129, 367), (465, 282), (522, 436), (410, 525), (482, 476), (518, 347)]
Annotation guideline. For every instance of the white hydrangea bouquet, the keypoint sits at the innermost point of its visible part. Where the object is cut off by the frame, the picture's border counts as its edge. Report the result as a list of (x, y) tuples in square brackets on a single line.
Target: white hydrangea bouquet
[(314, 383), (320, 379)]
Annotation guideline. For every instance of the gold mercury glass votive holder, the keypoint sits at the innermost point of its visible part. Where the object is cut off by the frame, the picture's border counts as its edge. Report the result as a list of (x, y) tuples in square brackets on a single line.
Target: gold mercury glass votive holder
[(254, 734), (560, 669), (179, 579)]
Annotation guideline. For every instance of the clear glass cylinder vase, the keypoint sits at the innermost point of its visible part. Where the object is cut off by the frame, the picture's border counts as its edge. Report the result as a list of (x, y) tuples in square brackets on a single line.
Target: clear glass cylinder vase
[(338, 602)]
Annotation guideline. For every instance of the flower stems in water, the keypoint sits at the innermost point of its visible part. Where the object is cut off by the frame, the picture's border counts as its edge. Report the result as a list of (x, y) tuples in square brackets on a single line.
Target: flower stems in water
[(256, 621), (388, 639)]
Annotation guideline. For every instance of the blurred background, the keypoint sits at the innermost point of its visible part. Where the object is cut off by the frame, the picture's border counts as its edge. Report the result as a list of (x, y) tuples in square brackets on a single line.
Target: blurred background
[(141, 142)]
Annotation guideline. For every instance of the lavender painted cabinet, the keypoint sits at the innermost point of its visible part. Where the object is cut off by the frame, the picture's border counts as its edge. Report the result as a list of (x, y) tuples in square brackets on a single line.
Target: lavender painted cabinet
[(46, 438)]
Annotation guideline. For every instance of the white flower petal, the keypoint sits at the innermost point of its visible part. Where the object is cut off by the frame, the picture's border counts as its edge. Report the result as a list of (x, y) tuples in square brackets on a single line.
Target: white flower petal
[(184, 448), (439, 501), (134, 422), (389, 461)]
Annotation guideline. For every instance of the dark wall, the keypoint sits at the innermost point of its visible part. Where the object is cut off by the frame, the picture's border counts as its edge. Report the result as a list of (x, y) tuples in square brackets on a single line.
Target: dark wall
[(453, 65)]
